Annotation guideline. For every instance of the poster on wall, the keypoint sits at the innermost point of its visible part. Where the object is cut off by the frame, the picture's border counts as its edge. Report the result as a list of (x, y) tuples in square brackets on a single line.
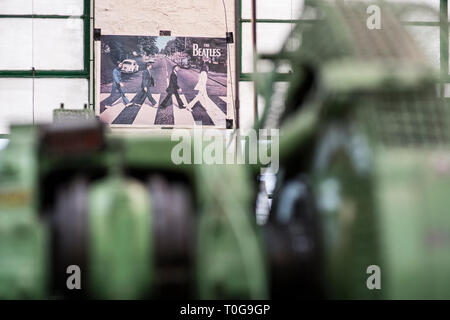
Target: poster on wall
[(163, 81)]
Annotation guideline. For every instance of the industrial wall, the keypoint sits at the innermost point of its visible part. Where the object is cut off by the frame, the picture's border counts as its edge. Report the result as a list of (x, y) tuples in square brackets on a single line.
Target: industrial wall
[(198, 18)]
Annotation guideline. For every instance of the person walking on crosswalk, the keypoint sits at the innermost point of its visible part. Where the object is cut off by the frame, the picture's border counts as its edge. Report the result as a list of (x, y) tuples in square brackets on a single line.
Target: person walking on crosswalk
[(173, 89), (117, 86), (146, 84), (202, 94)]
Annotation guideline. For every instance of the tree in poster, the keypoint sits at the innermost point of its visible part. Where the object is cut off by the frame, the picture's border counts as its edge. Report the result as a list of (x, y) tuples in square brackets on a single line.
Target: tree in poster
[(148, 45)]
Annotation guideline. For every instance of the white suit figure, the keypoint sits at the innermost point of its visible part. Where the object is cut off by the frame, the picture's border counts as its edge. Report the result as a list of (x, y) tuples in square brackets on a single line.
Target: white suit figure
[(214, 112), (202, 94)]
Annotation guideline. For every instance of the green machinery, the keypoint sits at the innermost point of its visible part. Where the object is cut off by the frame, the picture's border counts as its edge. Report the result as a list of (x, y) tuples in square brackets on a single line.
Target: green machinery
[(135, 224), (23, 237), (363, 181), (365, 143)]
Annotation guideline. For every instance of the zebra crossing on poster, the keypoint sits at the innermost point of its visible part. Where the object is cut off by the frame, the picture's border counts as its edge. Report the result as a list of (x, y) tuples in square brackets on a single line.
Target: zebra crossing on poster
[(209, 112)]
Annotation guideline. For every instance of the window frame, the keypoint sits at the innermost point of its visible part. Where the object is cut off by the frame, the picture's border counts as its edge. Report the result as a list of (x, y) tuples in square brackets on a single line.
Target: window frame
[(444, 25), (248, 76), (37, 73), (84, 73)]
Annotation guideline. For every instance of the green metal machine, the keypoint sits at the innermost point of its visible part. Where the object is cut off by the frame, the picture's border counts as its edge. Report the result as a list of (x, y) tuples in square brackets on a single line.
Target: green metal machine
[(363, 131), (23, 236), (137, 225), (363, 181)]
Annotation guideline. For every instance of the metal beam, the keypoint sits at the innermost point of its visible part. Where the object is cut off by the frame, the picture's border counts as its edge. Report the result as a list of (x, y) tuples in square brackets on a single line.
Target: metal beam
[(255, 53), (444, 44)]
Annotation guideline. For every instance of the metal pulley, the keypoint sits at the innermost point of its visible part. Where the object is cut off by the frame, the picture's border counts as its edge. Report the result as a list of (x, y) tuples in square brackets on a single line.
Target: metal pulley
[(70, 234), (120, 245), (174, 237)]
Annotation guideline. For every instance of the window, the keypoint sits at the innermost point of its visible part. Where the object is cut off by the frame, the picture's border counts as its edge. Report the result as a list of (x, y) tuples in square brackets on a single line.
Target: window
[(276, 18), (44, 59), (274, 22), (430, 29)]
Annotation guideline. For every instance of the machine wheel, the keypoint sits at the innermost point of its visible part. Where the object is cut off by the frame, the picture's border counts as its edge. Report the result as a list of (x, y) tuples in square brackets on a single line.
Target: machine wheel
[(70, 234), (294, 244), (172, 207)]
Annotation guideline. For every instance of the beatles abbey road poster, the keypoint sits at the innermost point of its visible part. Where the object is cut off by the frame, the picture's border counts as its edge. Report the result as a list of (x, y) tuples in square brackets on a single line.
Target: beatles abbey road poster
[(163, 81)]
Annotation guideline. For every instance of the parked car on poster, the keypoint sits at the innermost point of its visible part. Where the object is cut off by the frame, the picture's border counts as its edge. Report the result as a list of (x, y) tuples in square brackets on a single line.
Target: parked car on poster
[(129, 66)]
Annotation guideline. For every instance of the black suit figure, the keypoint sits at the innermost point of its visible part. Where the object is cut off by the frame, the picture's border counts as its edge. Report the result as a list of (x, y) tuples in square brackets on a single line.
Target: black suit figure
[(173, 89), (147, 82)]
